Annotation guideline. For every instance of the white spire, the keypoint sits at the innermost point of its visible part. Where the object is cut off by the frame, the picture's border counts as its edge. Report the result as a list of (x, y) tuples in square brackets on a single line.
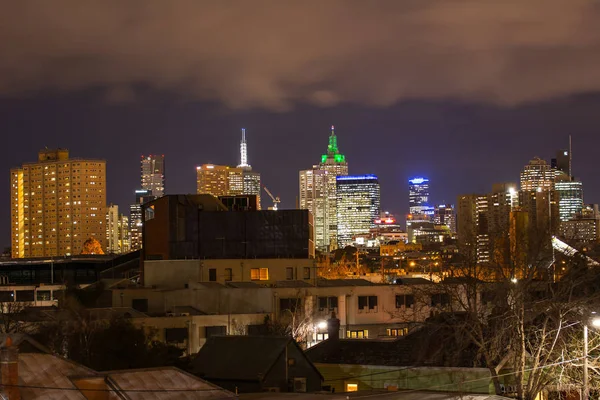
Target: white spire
[(243, 151)]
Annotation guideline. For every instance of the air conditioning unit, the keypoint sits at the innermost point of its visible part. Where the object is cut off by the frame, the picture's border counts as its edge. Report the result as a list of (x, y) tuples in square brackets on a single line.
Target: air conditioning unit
[(300, 385), (184, 314)]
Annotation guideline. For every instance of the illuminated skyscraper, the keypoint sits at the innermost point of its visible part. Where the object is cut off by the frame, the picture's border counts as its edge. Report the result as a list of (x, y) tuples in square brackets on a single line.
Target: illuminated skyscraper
[(336, 165), (443, 214), (570, 196), (215, 179), (537, 175), (418, 195), (472, 229), (358, 206), (57, 204), (117, 231), (135, 218), (223, 180), (314, 187), (153, 174)]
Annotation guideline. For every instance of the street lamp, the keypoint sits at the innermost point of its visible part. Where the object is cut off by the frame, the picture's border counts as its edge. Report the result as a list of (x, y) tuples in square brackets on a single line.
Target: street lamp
[(595, 321)]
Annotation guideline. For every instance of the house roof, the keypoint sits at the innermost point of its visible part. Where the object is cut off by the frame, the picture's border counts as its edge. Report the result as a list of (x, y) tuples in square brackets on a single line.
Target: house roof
[(413, 281), (432, 345), (344, 282), (47, 376), (240, 358), (163, 384), (23, 342), (292, 284)]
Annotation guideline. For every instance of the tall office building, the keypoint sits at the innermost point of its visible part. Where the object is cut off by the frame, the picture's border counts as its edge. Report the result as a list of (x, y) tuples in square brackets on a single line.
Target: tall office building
[(358, 206), (570, 196), (153, 174), (314, 194), (472, 227), (224, 180), (135, 218), (117, 231), (537, 175), (152, 183), (57, 203), (418, 195), (336, 165), (443, 214), (563, 160), (217, 180)]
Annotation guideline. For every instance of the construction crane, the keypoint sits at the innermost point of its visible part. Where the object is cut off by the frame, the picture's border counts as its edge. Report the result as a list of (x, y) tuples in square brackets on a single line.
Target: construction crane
[(276, 200)]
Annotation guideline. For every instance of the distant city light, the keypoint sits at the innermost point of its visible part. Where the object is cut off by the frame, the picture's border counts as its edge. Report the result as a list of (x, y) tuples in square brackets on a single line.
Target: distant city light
[(355, 177), (418, 180)]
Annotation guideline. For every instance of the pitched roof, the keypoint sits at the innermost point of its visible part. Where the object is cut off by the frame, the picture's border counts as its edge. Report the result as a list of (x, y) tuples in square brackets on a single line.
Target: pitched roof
[(238, 357), (47, 376), (23, 342), (431, 345), (163, 384)]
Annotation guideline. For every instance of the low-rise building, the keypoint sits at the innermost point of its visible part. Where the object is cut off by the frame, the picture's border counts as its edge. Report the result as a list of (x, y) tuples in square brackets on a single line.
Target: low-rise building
[(365, 309), (248, 364)]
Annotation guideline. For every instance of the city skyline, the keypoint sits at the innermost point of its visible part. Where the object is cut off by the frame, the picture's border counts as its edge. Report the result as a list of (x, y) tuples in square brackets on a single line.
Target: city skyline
[(442, 95), (393, 196)]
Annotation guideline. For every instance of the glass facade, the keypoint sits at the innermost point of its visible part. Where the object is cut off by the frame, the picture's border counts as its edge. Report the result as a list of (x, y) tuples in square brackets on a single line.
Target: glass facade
[(418, 195), (570, 199), (336, 165), (537, 175), (358, 206), (153, 174), (314, 195)]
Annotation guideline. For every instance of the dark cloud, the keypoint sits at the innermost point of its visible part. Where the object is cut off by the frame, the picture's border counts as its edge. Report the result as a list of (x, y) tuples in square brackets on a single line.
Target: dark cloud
[(273, 54)]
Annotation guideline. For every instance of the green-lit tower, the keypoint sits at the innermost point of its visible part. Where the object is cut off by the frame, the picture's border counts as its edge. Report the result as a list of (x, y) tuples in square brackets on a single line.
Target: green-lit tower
[(335, 164)]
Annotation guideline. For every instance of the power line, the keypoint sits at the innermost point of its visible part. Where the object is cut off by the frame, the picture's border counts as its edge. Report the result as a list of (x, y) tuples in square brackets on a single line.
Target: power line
[(22, 386)]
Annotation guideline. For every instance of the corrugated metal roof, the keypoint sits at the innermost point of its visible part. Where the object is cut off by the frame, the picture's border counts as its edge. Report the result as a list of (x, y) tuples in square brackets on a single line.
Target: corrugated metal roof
[(49, 377), (163, 384)]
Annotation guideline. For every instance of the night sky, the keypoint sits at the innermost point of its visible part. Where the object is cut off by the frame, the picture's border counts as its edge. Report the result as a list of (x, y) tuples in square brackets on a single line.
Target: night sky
[(464, 92)]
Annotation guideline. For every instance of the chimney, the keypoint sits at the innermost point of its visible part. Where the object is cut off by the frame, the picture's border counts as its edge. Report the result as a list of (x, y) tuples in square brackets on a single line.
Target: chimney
[(9, 368), (333, 327)]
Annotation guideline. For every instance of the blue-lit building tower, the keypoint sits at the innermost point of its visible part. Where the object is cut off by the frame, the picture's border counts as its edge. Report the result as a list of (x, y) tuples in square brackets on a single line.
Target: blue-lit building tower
[(358, 206), (418, 195)]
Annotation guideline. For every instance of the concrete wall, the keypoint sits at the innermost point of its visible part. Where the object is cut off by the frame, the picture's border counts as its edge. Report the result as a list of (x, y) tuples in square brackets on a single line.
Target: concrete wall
[(235, 324), (178, 273), (369, 377), (267, 300)]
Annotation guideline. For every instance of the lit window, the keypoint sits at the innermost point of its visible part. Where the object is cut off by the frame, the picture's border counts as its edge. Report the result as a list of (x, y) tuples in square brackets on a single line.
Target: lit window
[(259, 274), (351, 387)]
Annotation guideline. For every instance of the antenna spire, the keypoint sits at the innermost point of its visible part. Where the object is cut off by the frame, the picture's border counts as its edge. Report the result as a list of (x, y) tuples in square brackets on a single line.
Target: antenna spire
[(570, 158), (243, 151)]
